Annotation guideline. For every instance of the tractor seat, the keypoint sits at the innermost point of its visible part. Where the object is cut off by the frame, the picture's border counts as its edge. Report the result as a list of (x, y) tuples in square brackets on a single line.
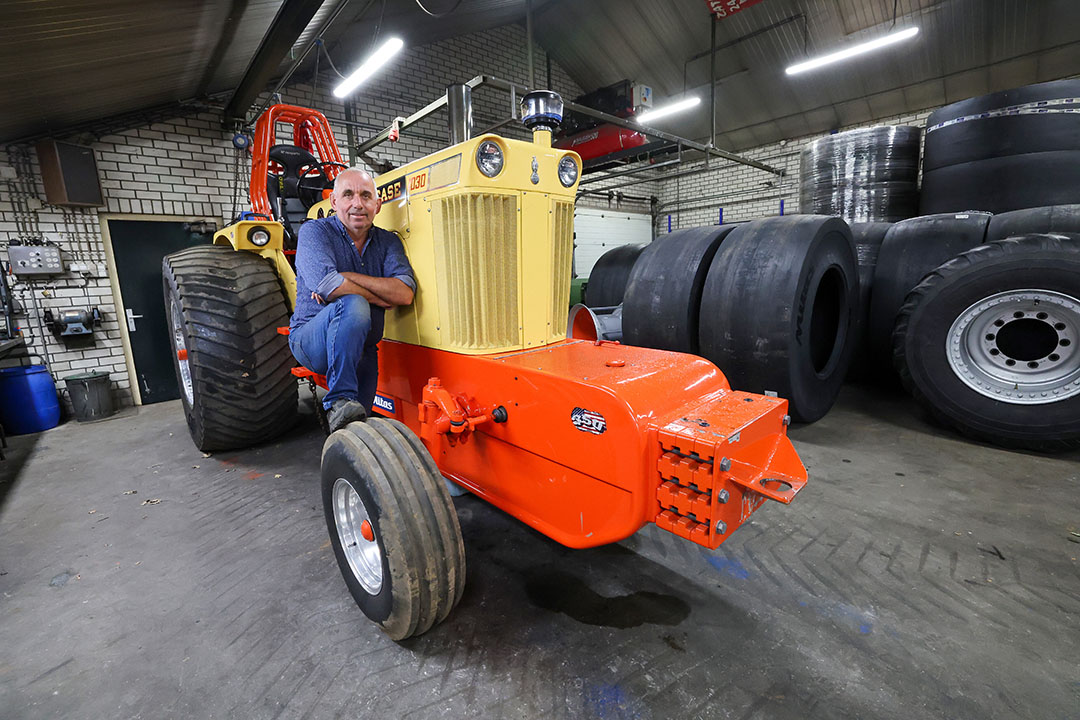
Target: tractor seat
[(283, 190)]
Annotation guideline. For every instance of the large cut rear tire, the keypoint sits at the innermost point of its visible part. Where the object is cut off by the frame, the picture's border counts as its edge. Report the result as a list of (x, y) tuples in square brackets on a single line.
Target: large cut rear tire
[(393, 527), (778, 309), (911, 249), (234, 369), (663, 295), (990, 342), (607, 281)]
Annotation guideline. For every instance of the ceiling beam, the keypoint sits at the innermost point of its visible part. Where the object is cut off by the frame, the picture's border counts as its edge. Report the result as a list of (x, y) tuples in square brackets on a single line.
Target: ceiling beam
[(225, 39), (290, 22)]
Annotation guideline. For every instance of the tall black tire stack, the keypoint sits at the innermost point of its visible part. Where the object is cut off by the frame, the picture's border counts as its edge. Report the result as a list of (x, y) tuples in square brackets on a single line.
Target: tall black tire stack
[(864, 175), (778, 309), (607, 281), (868, 238), (663, 295), (989, 342), (234, 369), (909, 251), (1005, 151)]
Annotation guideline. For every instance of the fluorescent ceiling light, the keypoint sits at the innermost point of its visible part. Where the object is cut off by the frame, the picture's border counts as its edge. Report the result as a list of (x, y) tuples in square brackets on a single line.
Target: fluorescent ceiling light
[(854, 50), (668, 110), (378, 58)]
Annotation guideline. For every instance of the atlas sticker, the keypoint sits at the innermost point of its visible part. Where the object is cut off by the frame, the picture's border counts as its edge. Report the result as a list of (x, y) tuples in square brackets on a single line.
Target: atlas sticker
[(588, 421), (384, 403), (391, 191)]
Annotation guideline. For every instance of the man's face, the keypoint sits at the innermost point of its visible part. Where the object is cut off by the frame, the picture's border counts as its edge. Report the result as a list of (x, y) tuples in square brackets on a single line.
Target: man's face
[(355, 201)]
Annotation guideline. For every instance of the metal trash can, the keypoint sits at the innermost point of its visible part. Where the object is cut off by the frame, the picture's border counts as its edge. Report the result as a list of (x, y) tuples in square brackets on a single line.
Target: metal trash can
[(91, 395)]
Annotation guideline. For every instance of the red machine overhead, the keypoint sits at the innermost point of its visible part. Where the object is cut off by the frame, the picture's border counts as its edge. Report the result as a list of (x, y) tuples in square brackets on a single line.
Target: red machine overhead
[(601, 140)]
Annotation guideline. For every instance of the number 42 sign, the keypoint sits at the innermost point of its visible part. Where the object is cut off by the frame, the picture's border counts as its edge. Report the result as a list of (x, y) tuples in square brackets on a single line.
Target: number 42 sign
[(724, 8)]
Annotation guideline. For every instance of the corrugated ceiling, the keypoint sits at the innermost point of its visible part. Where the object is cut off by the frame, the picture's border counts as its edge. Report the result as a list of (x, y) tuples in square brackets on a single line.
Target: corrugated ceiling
[(964, 48), (64, 63)]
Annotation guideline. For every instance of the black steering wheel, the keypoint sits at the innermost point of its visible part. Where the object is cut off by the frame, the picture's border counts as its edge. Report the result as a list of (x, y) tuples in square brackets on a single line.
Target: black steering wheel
[(312, 179)]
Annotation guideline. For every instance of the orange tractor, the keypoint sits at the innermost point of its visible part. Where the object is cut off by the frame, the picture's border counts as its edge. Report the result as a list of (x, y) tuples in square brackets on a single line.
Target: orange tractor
[(480, 389)]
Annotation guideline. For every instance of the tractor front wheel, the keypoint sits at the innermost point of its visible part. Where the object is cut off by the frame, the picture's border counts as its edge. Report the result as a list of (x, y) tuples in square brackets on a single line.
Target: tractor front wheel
[(392, 526)]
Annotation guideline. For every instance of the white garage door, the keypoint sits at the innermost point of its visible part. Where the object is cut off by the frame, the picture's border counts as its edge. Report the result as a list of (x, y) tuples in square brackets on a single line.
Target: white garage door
[(597, 231)]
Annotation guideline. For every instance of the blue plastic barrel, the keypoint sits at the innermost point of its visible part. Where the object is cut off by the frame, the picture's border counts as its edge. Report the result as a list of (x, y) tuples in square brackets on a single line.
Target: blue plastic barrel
[(28, 402)]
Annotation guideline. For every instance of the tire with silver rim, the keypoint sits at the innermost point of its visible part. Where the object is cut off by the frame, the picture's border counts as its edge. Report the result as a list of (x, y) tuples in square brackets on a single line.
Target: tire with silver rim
[(988, 342), (223, 308), (393, 527)]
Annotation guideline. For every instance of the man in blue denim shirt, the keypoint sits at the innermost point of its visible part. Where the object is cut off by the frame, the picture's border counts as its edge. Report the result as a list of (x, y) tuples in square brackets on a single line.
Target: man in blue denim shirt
[(347, 273)]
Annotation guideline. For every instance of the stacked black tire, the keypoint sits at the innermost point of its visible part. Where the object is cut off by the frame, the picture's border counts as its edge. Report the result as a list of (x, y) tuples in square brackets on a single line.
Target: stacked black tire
[(771, 302), (910, 250), (608, 278), (1006, 151), (663, 295), (234, 369), (864, 175), (868, 238), (978, 315)]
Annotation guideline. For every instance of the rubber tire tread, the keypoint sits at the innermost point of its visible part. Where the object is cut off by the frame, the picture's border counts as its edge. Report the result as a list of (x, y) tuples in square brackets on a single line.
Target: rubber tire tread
[(434, 475), (911, 249), (757, 309), (1051, 219), (377, 479), (429, 563), (948, 399), (232, 303), (608, 278), (868, 238), (1001, 184), (438, 513), (663, 295)]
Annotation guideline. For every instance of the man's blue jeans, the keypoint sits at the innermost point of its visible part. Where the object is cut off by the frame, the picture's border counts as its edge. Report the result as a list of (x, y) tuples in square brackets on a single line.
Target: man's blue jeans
[(335, 343)]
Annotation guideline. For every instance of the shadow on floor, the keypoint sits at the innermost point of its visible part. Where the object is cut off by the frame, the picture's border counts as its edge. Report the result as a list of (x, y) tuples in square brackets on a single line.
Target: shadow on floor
[(16, 454)]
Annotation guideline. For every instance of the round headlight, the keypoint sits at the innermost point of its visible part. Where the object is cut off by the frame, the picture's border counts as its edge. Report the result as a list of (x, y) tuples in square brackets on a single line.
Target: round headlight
[(567, 171), (489, 158), (258, 236)]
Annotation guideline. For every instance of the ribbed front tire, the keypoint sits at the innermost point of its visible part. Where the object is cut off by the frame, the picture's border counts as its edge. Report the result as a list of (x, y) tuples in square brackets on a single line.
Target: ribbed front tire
[(392, 526)]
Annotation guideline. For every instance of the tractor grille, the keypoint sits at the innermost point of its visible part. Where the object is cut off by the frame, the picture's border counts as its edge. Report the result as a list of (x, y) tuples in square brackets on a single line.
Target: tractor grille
[(562, 249), (476, 253)]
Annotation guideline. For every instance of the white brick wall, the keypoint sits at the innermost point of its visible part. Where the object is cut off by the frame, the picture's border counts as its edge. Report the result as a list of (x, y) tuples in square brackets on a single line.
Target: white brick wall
[(184, 167)]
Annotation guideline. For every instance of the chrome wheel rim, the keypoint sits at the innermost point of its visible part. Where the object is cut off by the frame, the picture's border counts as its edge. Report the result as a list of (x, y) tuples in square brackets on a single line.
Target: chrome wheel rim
[(362, 554), (180, 347), (1019, 347)]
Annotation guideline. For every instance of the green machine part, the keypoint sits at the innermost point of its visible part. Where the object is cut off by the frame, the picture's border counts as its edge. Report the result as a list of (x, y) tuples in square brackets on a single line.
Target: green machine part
[(577, 290)]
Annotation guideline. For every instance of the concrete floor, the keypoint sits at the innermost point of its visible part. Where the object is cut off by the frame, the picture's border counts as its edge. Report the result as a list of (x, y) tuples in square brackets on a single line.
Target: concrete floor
[(919, 575)]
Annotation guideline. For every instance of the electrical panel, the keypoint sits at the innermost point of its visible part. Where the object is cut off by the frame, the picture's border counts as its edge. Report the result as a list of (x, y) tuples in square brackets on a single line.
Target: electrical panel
[(642, 97), (35, 260)]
